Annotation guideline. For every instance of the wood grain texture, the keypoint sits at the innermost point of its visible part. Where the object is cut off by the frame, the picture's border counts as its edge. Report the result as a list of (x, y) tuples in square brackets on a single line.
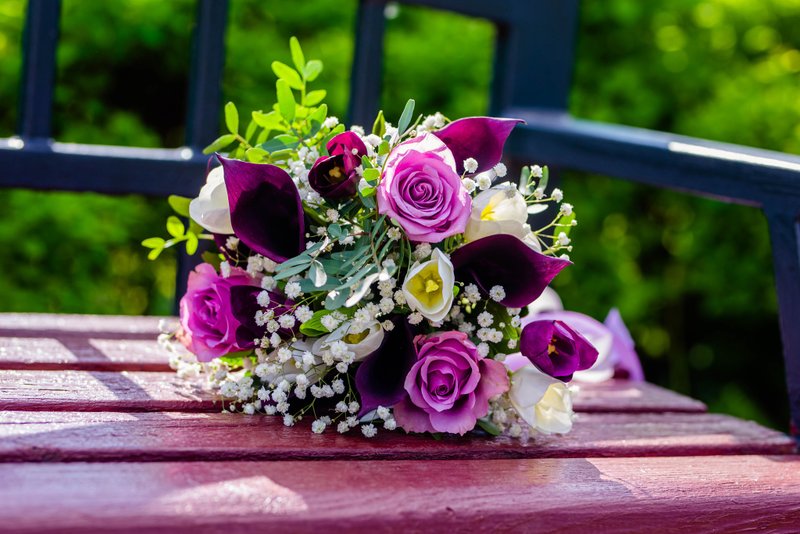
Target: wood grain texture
[(112, 436), (56, 323), (82, 354), (686, 494), (83, 391)]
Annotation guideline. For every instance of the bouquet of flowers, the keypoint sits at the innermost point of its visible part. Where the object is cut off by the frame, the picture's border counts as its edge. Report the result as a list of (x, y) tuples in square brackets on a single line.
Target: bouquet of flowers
[(374, 278)]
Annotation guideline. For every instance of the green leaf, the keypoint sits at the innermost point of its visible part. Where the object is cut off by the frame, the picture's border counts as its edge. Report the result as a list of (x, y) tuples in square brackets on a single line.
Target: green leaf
[(298, 58), (405, 117), (175, 226), (312, 70), (251, 129), (291, 271), (153, 254), (313, 327), (566, 220), (286, 102), (335, 299), (315, 97), (371, 175), (287, 73), (232, 118), (219, 143), (179, 204), (379, 126), (280, 142), (383, 148), (256, 155), (270, 121), (212, 258), (489, 427), (153, 242), (191, 243)]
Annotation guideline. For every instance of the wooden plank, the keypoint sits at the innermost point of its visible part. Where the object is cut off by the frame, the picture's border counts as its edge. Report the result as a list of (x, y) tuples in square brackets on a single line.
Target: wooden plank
[(112, 436), (142, 391), (83, 391), (82, 353), (109, 326), (686, 494)]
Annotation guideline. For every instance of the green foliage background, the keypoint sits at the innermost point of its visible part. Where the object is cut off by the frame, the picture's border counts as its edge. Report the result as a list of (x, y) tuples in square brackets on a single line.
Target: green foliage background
[(692, 277)]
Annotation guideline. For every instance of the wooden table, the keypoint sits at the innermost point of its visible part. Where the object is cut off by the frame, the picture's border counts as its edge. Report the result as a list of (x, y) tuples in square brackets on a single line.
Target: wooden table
[(96, 434)]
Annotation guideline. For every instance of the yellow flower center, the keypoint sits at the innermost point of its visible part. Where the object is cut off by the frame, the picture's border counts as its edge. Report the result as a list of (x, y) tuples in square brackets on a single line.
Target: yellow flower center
[(488, 212), (426, 285), (551, 348), (352, 339), (335, 175)]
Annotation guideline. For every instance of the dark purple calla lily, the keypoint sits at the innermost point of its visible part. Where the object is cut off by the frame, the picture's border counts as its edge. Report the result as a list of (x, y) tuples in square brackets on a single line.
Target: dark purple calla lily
[(381, 376), (266, 210), (334, 177), (481, 138), (244, 305), (556, 349), (504, 260)]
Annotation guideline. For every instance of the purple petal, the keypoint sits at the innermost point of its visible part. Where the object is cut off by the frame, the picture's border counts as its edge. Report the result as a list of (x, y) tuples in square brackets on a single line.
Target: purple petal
[(411, 418), (329, 187), (506, 261), (481, 138), (380, 377), (623, 347), (266, 210)]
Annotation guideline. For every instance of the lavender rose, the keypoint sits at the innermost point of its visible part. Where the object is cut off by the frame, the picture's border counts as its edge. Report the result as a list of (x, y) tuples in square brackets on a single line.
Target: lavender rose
[(209, 324), (422, 192), (449, 386), (556, 349)]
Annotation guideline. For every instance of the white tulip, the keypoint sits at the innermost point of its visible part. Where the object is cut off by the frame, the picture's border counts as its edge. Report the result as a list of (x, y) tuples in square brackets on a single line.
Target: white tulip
[(428, 287), (210, 209), (544, 402), (361, 344), (499, 210)]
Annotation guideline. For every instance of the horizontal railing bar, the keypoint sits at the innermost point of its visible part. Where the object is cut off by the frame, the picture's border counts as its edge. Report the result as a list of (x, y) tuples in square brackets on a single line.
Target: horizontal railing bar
[(494, 10), (724, 171), (102, 169)]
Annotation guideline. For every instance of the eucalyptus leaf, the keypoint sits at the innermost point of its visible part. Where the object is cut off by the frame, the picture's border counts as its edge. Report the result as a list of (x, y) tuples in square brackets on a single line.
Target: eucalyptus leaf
[(335, 299), (405, 117), (545, 178), (291, 271), (317, 274), (537, 208), (372, 175), (379, 126)]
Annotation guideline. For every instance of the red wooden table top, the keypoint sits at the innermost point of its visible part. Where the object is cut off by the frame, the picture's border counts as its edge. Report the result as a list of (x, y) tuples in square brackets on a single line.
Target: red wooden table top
[(96, 434)]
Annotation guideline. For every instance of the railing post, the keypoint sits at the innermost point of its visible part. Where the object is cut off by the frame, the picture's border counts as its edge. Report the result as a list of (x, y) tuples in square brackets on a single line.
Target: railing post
[(205, 96), (784, 229), (366, 73), (534, 57), (40, 38)]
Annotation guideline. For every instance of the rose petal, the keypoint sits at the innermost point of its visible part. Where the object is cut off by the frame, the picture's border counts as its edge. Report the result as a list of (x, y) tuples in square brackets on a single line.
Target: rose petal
[(266, 210), (506, 261), (481, 138)]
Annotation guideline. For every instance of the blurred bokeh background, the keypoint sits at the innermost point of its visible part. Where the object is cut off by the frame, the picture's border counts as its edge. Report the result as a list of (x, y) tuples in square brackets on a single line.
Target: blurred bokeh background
[(692, 277)]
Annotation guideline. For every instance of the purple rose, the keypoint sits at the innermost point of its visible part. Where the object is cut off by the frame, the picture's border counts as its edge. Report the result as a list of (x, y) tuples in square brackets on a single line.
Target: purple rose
[(209, 323), (334, 177), (556, 349), (421, 190), (449, 387)]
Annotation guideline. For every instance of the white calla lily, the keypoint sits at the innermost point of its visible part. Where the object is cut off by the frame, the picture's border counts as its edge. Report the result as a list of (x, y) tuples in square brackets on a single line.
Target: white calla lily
[(428, 287), (544, 402), (361, 344), (211, 209), (500, 210)]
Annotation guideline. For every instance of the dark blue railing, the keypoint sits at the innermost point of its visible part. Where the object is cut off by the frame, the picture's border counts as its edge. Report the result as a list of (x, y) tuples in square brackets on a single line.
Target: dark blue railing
[(763, 179)]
